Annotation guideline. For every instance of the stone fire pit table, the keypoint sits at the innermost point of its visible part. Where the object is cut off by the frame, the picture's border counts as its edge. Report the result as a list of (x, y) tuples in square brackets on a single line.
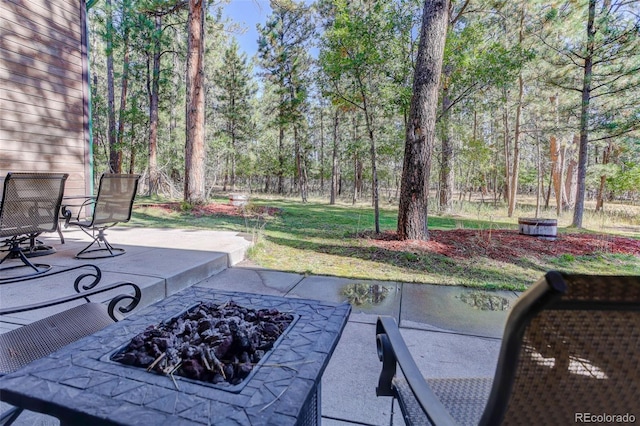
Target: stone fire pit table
[(80, 385)]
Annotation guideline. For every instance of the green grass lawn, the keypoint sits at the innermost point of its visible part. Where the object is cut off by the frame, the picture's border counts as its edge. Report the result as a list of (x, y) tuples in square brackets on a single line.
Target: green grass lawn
[(316, 238)]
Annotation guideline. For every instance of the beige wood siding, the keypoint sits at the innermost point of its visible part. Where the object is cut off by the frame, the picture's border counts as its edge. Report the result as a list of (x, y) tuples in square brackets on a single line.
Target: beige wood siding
[(43, 94)]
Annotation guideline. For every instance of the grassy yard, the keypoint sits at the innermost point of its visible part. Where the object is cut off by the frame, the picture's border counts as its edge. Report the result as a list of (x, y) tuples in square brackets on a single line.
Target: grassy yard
[(315, 238)]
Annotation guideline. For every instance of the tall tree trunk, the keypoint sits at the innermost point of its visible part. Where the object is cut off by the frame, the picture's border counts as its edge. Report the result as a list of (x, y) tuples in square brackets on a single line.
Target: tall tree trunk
[(227, 166), (578, 212), (300, 166), (570, 175), (446, 162), (132, 159), (515, 170), (354, 197), (414, 192), (280, 171), (606, 158), (194, 149), (234, 149), (334, 158), (556, 172), (507, 149), (356, 158), (496, 160), (374, 166), (114, 152), (563, 174), (540, 174), (556, 161), (516, 133), (123, 95), (374, 175), (321, 151), (548, 196), (153, 108), (233, 171)]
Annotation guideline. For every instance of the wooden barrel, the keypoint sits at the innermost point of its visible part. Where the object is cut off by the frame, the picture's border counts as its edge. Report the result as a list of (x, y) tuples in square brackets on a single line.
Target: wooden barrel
[(546, 229)]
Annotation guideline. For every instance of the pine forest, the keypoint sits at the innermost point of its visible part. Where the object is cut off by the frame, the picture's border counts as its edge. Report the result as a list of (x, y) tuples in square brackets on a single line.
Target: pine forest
[(417, 103)]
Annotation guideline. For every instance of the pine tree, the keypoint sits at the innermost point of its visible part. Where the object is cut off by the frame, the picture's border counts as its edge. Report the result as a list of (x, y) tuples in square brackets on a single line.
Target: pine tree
[(283, 52), (601, 64), (235, 91), (412, 212)]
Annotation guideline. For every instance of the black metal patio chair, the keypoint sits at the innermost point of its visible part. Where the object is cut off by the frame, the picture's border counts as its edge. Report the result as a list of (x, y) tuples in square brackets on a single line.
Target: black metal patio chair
[(111, 206), (569, 353), (30, 205), (32, 341)]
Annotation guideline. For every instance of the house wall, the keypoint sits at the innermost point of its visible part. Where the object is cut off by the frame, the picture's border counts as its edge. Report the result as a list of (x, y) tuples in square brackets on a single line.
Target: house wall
[(43, 92)]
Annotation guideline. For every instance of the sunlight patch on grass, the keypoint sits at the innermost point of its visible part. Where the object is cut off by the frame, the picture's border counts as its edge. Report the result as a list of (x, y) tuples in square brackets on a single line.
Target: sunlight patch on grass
[(603, 263)]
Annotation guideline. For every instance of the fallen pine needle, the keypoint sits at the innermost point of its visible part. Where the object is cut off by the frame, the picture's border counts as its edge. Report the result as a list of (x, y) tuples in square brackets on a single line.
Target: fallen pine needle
[(154, 363), (271, 403)]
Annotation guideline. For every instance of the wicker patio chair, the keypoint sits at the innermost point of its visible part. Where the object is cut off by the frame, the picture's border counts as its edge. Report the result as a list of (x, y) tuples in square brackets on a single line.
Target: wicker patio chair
[(570, 353), (30, 205), (29, 342), (112, 205)]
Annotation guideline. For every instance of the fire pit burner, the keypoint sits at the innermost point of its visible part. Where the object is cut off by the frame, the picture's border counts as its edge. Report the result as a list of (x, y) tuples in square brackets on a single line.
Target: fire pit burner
[(212, 343)]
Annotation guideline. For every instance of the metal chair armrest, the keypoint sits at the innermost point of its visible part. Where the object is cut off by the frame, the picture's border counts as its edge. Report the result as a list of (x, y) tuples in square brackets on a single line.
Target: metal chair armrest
[(68, 214), (115, 308), (393, 351)]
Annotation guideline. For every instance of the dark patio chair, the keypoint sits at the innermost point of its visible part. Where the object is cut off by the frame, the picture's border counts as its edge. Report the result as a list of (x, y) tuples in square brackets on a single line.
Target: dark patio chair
[(569, 353), (112, 205), (24, 344), (30, 205)]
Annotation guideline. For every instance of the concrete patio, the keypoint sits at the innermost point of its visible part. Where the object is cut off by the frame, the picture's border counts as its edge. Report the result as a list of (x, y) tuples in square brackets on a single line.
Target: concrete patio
[(446, 335)]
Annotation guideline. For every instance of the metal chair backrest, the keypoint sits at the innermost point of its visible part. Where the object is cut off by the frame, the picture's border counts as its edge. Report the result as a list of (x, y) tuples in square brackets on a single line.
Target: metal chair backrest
[(578, 353), (31, 203), (115, 198)]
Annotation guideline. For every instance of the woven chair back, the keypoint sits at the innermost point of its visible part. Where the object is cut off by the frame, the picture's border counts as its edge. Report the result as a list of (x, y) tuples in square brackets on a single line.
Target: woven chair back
[(115, 198), (580, 355), (31, 203)]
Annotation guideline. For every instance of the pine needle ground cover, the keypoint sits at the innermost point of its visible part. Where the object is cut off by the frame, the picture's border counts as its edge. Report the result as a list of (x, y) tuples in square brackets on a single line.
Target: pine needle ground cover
[(320, 239)]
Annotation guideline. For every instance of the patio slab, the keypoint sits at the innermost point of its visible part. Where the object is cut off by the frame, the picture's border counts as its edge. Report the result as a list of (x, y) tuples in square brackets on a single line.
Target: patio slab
[(349, 382), (452, 355), (368, 298), (450, 308), (253, 280)]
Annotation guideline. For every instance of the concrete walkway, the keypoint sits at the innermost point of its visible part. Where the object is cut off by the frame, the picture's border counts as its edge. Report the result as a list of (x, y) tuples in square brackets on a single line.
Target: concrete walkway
[(446, 335)]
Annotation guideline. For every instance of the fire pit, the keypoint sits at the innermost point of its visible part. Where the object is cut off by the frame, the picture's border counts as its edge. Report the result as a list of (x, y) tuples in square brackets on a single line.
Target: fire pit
[(211, 343), (81, 385)]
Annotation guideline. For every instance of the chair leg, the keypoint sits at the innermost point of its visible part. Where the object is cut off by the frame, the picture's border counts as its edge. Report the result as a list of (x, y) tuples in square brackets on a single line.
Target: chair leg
[(37, 248), (100, 240), (15, 252), (29, 244)]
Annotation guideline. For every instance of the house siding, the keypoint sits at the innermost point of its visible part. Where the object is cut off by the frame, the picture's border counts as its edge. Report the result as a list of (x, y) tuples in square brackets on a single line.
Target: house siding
[(43, 93)]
